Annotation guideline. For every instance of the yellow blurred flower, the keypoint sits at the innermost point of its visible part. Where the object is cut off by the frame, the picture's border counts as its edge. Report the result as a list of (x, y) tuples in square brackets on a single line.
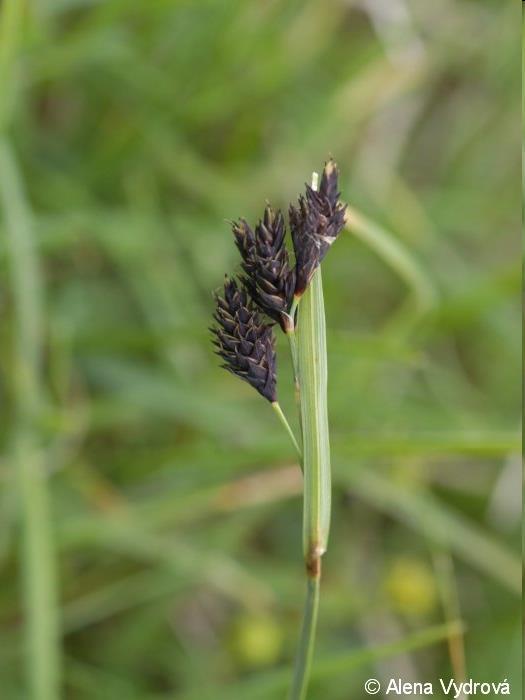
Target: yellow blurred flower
[(256, 640), (410, 587)]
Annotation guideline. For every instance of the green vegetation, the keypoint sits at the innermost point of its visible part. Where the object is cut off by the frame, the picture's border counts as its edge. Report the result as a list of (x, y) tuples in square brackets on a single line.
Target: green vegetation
[(150, 505)]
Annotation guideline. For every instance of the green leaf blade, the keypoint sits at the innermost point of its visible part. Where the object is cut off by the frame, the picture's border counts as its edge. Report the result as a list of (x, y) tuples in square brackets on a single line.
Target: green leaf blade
[(313, 375)]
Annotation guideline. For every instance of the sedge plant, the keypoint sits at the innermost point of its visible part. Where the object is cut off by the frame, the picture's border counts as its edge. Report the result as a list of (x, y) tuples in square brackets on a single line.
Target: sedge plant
[(272, 290)]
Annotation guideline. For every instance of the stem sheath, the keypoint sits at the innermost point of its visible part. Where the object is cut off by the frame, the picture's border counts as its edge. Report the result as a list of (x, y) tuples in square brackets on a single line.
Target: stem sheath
[(314, 416)]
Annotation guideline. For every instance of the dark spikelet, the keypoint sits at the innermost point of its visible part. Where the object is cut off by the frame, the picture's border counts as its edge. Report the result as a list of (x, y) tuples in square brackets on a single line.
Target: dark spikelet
[(315, 224), (268, 275), (303, 225), (328, 187), (244, 341), (245, 242)]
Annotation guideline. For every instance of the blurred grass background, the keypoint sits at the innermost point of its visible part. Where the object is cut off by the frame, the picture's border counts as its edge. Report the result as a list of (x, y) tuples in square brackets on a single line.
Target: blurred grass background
[(130, 130)]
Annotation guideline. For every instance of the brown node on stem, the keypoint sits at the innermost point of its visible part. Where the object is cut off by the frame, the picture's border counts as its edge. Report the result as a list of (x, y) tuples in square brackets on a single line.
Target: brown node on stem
[(313, 561)]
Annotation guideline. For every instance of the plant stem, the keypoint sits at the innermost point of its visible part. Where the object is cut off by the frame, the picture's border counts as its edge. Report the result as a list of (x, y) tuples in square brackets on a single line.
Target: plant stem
[(38, 566), (38, 560), (292, 340), (312, 373), (38, 571), (278, 410), (11, 18), (305, 649), (447, 586)]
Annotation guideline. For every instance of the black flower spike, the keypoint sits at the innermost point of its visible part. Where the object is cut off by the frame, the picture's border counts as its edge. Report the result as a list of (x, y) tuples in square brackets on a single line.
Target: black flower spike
[(328, 186), (269, 276), (315, 224), (245, 241), (244, 341)]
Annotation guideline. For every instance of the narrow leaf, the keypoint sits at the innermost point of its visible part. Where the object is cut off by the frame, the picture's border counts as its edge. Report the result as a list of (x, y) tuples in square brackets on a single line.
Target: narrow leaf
[(314, 417)]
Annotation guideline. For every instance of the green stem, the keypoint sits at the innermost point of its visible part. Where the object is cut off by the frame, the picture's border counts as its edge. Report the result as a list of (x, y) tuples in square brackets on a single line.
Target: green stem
[(312, 374), (38, 560), (278, 410), (11, 18), (305, 649), (292, 340), (38, 572), (38, 566)]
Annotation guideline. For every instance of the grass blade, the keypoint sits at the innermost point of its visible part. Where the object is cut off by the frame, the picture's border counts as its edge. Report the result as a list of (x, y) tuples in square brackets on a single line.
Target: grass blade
[(395, 255), (305, 652), (311, 335), (425, 513), (38, 563)]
